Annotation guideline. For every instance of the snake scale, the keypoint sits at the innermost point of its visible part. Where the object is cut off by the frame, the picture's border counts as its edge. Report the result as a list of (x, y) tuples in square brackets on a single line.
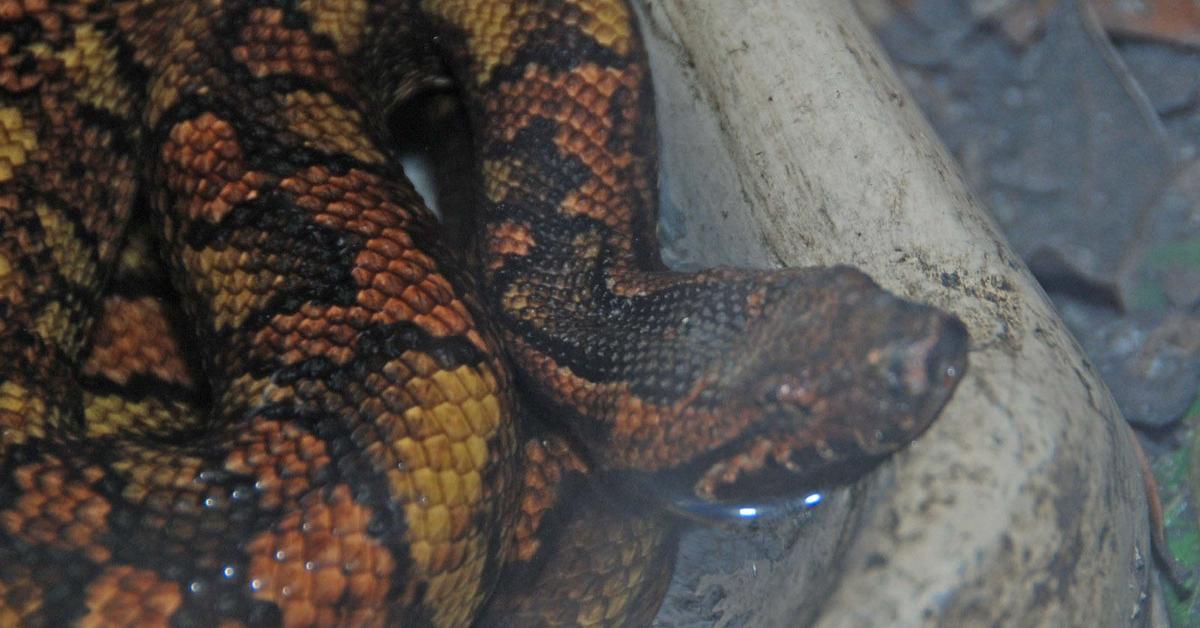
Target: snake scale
[(246, 380)]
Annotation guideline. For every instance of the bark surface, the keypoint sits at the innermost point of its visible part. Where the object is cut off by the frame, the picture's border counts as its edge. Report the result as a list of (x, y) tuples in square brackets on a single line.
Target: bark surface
[(787, 140)]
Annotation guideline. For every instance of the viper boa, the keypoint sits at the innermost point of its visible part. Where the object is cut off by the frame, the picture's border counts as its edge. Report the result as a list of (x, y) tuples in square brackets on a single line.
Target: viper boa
[(247, 380)]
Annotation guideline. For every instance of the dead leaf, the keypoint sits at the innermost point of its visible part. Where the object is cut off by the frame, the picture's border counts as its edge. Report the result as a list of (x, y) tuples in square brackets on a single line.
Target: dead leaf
[(1173, 21)]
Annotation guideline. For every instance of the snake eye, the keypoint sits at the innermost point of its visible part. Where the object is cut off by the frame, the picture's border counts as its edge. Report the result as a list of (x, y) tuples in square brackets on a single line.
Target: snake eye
[(918, 366)]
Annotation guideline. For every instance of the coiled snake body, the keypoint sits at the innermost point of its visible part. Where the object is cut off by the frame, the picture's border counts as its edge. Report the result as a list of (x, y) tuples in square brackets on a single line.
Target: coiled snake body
[(319, 424)]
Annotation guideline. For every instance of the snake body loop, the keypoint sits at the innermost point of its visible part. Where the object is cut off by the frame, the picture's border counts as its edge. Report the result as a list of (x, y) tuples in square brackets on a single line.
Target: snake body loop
[(246, 379)]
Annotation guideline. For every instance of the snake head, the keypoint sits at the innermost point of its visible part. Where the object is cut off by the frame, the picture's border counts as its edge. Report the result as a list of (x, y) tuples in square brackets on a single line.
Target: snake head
[(834, 374), (869, 383)]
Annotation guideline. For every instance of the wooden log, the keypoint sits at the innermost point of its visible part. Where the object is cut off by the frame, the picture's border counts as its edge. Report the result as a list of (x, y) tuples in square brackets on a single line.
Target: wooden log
[(788, 140)]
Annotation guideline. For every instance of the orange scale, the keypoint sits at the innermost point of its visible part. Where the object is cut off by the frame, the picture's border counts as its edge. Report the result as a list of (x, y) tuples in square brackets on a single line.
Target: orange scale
[(391, 310), (572, 85), (371, 260), (599, 112), (381, 567), (433, 293), (575, 142), (441, 286), (408, 272), (599, 163), (419, 259), (316, 177), (276, 440), (295, 582), (288, 489), (362, 227), (395, 286), (326, 220), (329, 585), (287, 548), (609, 178), (293, 469), (343, 208), (399, 235), (228, 148), (355, 555), (94, 512), (345, 509), (591, 101), (257, 453), (292, 357), (386, 247), (325, 191), (50, 480), (607, 84), (362, 586), (203, 165), (378, 218), (313, 328), (433, 325), (615, 219), (361, 197), (416, 298), (351, 182), (301, 53), (58, 511), (372, 299), (338, 355), (387, 203), (566, 113), (325, 554), (452, 318)]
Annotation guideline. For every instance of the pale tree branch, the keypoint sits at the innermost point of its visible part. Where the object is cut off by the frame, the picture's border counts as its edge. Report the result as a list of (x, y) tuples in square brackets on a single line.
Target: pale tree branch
[(787, 139)]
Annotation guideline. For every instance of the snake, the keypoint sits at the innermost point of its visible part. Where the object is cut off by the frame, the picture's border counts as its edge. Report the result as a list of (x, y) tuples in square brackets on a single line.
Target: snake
[(247, 378)]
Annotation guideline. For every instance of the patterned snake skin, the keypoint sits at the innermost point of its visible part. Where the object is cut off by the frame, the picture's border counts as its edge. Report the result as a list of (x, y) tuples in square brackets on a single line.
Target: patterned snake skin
[(246, 380)]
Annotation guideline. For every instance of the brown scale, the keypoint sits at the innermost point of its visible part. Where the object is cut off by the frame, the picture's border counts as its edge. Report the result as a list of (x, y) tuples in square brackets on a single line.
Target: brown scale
[(332, 437)]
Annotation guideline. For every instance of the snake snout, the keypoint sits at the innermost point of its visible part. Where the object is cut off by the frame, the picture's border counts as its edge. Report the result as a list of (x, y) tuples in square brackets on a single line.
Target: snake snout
[(928, 362)]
